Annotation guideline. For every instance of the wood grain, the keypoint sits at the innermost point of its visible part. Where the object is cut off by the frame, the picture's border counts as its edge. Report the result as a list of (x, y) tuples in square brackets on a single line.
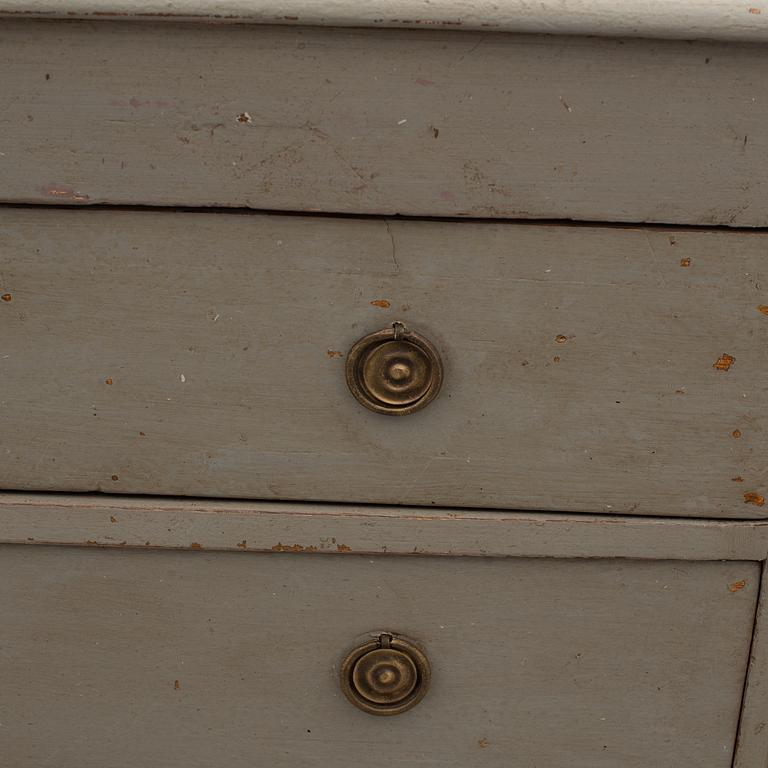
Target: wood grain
[(587, 369), (417, 122), (180, 658)]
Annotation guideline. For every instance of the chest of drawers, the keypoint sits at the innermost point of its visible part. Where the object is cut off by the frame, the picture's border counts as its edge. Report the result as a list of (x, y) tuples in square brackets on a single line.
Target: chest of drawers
[(536, 239)]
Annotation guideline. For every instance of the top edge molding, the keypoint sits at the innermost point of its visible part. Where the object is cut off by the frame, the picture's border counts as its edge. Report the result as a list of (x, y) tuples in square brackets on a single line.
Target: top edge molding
[(668, 19)]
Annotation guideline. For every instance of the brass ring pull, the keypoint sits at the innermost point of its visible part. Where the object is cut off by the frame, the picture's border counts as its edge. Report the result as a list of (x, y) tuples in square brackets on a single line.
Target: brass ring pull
[(385, 676), (394, 371)]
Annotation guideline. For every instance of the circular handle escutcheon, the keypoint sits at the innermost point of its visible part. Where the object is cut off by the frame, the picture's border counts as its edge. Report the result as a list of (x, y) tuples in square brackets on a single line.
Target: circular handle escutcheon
[(386, 676), (394, 371)]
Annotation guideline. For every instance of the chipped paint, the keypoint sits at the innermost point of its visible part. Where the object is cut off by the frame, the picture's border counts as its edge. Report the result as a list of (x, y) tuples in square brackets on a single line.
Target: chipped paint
[(195, 545), (65, 193), (115, 477), (108, 382), (176, 685), (763, 309), (6, 297), (243, 117), (560, 339), (737, 585), (112, 519), (754, 498), (482, 743), (383, 303), (343, 548), (334, 353), (736, 434), (242, 544), (685, 261), (724, 362), (737, 479), (279, 547)]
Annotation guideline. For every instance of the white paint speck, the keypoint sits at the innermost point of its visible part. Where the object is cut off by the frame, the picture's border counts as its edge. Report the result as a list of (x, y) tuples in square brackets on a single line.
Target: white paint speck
[(183, 378), (547, 270), (279, 242), (403, 121), (217, 317)]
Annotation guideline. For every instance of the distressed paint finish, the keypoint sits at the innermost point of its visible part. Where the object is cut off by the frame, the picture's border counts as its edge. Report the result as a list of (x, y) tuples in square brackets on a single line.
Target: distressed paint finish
[(176, 659), (718, 19), (240, 526), (752, 746), (417, 122), (597, 370)]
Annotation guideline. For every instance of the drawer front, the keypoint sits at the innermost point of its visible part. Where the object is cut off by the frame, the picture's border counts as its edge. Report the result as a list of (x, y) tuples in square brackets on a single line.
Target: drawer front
[(179, 658), (384, 121), (585, 369)]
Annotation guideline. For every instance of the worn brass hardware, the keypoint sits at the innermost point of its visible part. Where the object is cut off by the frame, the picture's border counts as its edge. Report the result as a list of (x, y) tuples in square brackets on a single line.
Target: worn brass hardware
[(385, 676), (394, 371)]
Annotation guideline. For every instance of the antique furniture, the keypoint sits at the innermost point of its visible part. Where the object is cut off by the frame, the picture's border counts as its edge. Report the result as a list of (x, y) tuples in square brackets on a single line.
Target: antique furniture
[(403, 359)]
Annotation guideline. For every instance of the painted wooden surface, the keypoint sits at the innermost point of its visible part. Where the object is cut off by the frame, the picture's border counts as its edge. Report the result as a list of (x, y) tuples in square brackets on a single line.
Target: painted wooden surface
[(752, 746), (417, 122), (718, 19), (597, 370), (197, 524), (185, 659)]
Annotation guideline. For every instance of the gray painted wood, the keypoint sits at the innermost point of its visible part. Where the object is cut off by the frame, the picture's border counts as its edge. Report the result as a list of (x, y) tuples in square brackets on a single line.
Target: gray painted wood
[(384, 121), (188, 659), (718, 19), (125, 522), (203, 355), (752, 746)]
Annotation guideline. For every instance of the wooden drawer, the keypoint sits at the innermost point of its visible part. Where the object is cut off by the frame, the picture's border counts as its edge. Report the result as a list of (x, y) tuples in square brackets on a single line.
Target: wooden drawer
[(419, 122), (177, 658), (590, 369)]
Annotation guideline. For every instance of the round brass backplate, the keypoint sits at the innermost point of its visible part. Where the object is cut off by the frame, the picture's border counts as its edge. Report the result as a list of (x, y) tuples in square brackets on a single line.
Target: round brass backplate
[(394, 371), (385, 676)]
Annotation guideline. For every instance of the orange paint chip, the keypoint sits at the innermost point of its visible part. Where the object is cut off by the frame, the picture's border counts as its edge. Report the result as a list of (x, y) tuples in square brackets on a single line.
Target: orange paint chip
[(195, 545), (736, 434), (685, 262), (754, 498), (755, 11), (383, 303), (737, 479), (560, 339), (343, 548), (737, 585), (242, 544), (762, 308), (334, 353), (482, 743), (108, 381), (176, 685), (6, 297), (724, 362)]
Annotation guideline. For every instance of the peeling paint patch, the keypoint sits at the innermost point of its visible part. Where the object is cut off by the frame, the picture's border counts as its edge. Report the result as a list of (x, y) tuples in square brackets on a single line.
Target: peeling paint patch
[(108, 382), (293, 548), (64, 192), (195, 545), (176, 685), (343, 548), (6, 297), (761, 308), (754, 498), (243, 117), (685, 261), (737, 585), (724, 362), (383, 303), (560, 339)]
